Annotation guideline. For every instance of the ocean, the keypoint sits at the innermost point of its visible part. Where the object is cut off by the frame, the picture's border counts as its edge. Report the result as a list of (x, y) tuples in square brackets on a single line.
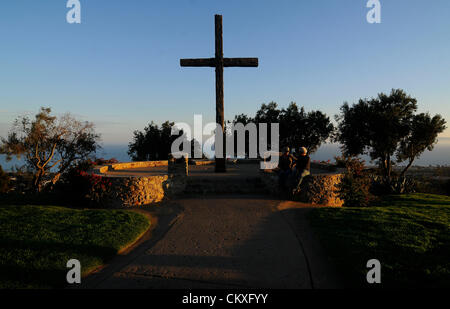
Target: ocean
[(108, 151), (439, 156)]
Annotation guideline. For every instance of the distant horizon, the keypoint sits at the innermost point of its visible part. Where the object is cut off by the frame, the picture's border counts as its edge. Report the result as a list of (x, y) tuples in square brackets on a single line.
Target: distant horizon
[(327, 151), (438, 157)]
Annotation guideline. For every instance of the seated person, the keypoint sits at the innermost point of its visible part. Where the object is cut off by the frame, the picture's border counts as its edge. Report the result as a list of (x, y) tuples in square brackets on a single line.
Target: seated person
[(302, 167), (285, 165)]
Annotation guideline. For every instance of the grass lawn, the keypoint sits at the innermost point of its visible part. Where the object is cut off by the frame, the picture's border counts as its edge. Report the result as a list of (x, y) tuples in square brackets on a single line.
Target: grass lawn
[(37, 241), (408, 234)]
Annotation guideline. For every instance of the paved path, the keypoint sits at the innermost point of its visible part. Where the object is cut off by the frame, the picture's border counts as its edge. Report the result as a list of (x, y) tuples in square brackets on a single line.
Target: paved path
[(222, 243)]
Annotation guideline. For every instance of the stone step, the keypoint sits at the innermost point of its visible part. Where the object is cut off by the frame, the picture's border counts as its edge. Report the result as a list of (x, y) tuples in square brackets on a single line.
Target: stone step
[(243, 186)]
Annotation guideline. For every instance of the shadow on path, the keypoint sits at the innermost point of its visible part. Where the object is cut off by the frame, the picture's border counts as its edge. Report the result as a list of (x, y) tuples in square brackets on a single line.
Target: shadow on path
[(222, 242)]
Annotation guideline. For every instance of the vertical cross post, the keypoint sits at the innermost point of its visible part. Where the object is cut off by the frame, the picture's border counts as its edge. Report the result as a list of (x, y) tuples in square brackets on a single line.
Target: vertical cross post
[(219, 62), (220, 162)]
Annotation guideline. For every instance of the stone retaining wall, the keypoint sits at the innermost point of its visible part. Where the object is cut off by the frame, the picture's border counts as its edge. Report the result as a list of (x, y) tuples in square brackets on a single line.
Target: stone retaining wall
[(127, 192), (128, 165), (137, 191), (317, 189)]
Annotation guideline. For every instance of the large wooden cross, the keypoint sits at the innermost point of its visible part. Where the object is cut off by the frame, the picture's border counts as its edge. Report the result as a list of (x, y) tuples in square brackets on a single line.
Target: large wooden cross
[(219, 62)]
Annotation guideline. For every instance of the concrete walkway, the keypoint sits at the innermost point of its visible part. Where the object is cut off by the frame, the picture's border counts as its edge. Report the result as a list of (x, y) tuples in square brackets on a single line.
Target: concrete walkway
[(229, 242)]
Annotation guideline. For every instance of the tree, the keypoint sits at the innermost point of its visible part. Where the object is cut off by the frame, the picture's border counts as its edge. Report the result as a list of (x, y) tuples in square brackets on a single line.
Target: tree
[(385, 127), (49, 142), (154, 143), (297, 127), (424, 130), (244, 120), (301, 129), (268, 113)]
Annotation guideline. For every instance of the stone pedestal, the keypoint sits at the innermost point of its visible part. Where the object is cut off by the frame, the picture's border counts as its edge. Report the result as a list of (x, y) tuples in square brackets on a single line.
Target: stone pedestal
[(178, 166)]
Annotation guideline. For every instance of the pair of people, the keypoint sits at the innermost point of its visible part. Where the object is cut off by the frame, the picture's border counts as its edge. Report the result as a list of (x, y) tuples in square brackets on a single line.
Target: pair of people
[(292, 170)]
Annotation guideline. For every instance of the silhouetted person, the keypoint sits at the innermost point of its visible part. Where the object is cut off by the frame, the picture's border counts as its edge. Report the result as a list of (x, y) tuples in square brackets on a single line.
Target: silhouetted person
[(302, 167), (285, 165)]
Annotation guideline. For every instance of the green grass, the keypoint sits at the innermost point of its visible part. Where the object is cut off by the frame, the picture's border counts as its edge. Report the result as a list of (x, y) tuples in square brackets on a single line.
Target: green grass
[(408, 234), (37, 241)]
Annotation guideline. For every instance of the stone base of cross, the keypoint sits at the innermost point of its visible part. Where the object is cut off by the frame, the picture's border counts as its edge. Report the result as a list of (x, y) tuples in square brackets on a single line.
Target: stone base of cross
[(219, 62)]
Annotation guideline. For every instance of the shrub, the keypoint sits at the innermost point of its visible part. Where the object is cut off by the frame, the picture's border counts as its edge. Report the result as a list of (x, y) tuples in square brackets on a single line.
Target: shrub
[(341, 161), (355, 185), (81, 186), (97, 187), (4, 181), (382, 185)]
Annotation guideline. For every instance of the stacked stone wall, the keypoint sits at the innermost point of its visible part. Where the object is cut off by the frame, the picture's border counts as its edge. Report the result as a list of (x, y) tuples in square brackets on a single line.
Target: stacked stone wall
[(317, 189)]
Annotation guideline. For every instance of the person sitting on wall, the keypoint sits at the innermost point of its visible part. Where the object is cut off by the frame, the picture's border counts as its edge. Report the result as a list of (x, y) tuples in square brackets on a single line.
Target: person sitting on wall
[(285, 165), (302, 168)]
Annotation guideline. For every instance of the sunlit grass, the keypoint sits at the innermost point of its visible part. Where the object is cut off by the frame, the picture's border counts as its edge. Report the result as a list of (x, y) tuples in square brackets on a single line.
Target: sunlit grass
[(37, 241), (408, 234)]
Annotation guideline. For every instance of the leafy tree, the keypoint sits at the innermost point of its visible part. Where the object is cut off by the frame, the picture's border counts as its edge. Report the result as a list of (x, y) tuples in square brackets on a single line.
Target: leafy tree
[(244, 120), (385, 127), (268, 113), (301, 129), (48, 142), (424, 130), (297, 127), (154, 143)]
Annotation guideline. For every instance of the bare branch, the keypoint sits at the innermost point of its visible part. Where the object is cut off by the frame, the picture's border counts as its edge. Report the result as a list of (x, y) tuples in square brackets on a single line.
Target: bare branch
[(50, 156)]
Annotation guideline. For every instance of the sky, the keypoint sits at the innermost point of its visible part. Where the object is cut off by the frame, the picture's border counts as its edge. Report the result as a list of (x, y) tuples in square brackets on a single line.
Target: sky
[(120, 67)]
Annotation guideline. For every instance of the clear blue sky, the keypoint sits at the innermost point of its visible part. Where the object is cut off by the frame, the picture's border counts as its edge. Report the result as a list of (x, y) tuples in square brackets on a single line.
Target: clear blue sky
[(120, 67)]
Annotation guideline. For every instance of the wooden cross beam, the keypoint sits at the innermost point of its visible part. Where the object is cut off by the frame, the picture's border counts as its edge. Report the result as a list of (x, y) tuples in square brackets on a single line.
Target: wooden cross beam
[(219, 62)]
